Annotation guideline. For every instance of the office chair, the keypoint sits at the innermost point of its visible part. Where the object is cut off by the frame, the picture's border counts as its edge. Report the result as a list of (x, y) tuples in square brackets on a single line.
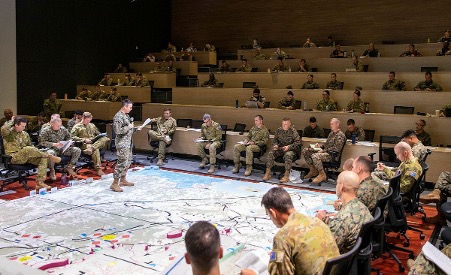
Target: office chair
[(342, 264), (332, 166), (446, 233), (239, 127), (413, 206), (249, 84), (196, 124), (297, 104), (221, 148), (254, 70), (386, 150), (403, 110), (184, 122), (155, 144), (266, 104), (342, 85), (365, 68), (369, 135), (327, 132)]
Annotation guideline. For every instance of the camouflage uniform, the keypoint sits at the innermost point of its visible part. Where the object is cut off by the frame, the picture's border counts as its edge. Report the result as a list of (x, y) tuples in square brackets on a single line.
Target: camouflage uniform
[(214, 135), (423, 85), (280, 68), (318, 132), (359, 133), (124, 143), (2, 121), (258, 135), (356, 106), (33, 125), (142, 82), (444, 183), (334, 142), (277, 55), (52, 107), (70, 124), (106, 82), (95, 95), (419, 151), (225, 68), (104, 96), (128, 82), (394, 85), (410, 172), (171, 49), (48, 136), (260, 56), (115, 97), (334, 85), (329, 105), (370, 191), (283, 138), (346, 224), (284, 103), (425, 138), (210, 83), (302, 246), (310, 85), (247, 69), (19, 147), (358, 66), (306, 68), (84, 95), (164, 128), (424, 266), (80, 132)]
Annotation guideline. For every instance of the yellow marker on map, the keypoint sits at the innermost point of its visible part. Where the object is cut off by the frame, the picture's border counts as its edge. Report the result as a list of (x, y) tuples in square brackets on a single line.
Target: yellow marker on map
[(109, 237), (25, 258)]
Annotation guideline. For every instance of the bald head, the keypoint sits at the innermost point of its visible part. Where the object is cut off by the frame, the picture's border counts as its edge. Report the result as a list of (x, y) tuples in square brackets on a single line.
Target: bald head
[(403, 146), (403, 151), (349, 181)]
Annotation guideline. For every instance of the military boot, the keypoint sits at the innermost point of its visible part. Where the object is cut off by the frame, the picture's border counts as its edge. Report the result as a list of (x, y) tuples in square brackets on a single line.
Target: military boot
[(41, 184), (115, 186), (433, 197), (286, 177), (312, 173), (267, 175), (100, 172), (203, 163), (70, 170), (438, 219), (212, 169), (124, 182), (248, 171), (160, 162), (54, 159), (236, 168), (320, 178), (52, 175)]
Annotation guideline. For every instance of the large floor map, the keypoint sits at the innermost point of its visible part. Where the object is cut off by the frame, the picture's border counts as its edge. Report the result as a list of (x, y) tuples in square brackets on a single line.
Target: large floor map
[(139, 231)]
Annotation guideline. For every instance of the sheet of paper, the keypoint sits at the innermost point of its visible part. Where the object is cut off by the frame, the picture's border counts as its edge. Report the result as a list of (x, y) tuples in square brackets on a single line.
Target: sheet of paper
[(441, 260), (147, 121)]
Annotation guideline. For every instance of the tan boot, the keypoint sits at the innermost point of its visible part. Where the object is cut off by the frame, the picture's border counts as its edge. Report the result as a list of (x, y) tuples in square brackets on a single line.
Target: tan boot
[(160, 162), (88, 151), (410, 263), (433, 197), (124, 182), (54, 159), (52, 175), (312, 173), (438, 219), (286, 177), (100, 172), (115, 186), (320, 178), (41, 184), (267, 175), (203, 163), (70, 170), (248, 171), (236, 168), (212, 169)]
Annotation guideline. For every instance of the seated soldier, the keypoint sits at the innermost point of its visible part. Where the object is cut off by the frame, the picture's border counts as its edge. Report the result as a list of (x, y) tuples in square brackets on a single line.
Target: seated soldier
[(337, 53), (278, 53), (428, 84), (104, 95), (422, 135), (334, 84), (286, 143), (347, 222), (259, 55), (409, 168), (50, 137), (356, 104), (310, 84), (314, 157), (166, 127), (225, 67), (128, 81), (107, 80), (418, 149), (280, 66), (203, 248), (170, 68), (121, 69), (96, 94), (303, 66), (288, 102), (141, 81), (258, 98), (78, 115), (352, 130), (115, 96), (371, 52), (85, 94), (18, 145), (313, 130), (83, 133), (411, 52), (393, 84), (209, 48), (212, 82), (35, 124), (149, 58), (358, 65), (424, 265), (327, 103), (245, 67), (211, 135), (258, 136)]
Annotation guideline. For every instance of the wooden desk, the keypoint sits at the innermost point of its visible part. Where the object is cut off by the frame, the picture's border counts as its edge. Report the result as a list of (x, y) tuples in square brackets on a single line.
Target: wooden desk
[(104, 110), (161, 80), (187, 67), (426, 102), (135, 94), (201, 57), (369, 81)]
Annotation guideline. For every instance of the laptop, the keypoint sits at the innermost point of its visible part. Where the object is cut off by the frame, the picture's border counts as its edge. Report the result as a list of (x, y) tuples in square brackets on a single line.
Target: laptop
[(350, 69), (251, 104)]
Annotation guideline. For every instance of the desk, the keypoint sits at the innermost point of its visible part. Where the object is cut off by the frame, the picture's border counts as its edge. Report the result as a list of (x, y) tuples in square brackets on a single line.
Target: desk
[(161, 80), (187, 67), (135, 94), (369, 81), (104, 110), (201, 57)]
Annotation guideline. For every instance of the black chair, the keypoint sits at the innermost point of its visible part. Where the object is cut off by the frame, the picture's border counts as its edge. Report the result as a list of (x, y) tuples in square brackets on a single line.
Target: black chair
[(413, 204), (342, 85), (221, 85), (446, 233), (386, 150), (369, 135), (295, 46), (343, 263), (222, 147), (154, 145), (430, 69), (239, 127), (326, 132), (266, 104), (184, 122), (254, 70), (297, 104), (196, 124), (297, 156), (332, 166), (428, 152), (403, 110), (16, 173), (365, 68), (249, 84)]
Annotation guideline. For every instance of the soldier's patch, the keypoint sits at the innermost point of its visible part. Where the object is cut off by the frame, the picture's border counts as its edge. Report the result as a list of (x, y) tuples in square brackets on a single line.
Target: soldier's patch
[(276, 256), (412, 173)]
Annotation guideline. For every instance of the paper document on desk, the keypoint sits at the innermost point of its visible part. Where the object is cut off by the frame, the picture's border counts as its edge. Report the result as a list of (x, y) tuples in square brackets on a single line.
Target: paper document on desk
[(313, 146), (436, 256), (201, 140), (366, 143), (256, 260), (66, 144)]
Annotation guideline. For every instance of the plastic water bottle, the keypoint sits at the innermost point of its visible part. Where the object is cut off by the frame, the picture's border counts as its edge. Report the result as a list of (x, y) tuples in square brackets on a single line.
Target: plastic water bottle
[(352, 53), (429, 39), (236, 103), (353, 137), (345, 54), (289, 68), (305, 106)]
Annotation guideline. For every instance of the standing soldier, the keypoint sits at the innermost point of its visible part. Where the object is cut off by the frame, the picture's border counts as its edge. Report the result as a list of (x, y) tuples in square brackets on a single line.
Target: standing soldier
[(18, 145), (286, 143), (211, 134), (124, 130), (52, 105), (258, 136), (50, 137), (85, 132), (166, 127)]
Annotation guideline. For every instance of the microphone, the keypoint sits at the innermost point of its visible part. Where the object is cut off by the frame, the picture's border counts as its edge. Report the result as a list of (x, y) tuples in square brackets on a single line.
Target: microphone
[(132, 119)]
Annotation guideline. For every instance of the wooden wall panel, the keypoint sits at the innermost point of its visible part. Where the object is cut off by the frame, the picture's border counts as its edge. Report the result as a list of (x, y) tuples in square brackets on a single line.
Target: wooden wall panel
[(229, 24)]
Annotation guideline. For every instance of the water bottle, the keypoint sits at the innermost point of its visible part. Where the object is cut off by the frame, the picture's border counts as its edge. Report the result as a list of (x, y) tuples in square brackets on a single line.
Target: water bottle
[(236, 103), (353, 137), (305, 106), (241, 56), (345, 54), (289, 68), (64, 179), (352, 53), (429, 39)]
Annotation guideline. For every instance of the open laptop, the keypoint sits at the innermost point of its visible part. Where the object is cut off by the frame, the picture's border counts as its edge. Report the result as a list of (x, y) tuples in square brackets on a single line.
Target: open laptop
[(251, 104)]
